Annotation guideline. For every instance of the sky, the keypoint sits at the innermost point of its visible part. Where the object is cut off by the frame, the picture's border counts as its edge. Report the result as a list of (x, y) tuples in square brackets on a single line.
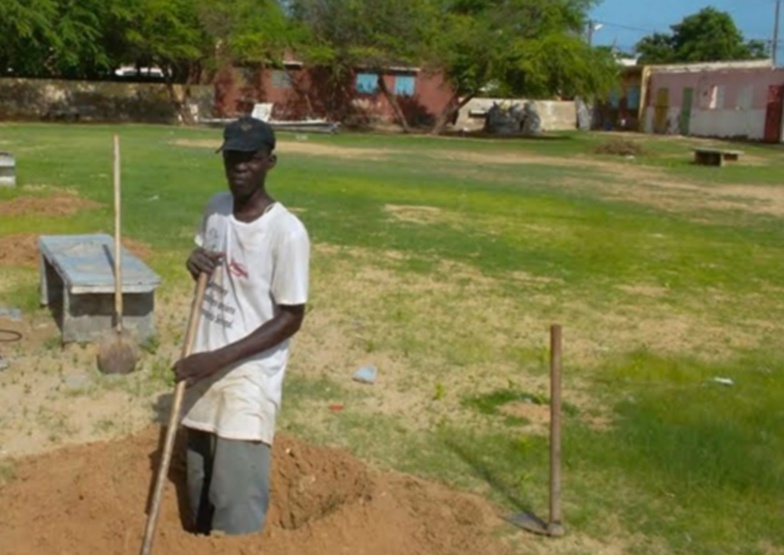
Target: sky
[(624, 22)]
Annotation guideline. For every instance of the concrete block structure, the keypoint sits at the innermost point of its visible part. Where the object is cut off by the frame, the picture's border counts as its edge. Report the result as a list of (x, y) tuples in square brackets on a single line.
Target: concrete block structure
[(77, 284)]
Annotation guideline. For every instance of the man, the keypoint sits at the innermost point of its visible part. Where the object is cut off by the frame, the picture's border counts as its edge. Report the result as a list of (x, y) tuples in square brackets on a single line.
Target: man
[(257, 255)]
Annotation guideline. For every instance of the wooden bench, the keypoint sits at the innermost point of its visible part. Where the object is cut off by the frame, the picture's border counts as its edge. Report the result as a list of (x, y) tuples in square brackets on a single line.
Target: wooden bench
[(77, 284), (715, 156)]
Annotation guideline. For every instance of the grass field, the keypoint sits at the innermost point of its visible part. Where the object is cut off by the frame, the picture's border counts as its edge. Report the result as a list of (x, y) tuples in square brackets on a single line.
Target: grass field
[(443, 262)]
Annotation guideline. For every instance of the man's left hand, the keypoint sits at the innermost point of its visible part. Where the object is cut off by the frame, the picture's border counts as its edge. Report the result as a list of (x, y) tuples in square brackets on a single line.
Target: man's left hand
[(196, 367)]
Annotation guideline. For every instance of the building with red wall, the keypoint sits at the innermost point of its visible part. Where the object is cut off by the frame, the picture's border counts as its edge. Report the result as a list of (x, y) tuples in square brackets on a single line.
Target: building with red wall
[(297, 93)]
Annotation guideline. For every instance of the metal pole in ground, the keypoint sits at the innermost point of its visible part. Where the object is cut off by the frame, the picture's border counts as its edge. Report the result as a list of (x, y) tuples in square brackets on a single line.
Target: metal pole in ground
[(526, 520), (554, 526)]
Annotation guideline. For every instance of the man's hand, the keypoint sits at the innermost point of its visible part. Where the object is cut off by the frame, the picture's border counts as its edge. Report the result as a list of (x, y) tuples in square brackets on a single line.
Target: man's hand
[(202, 261), (196, 367)]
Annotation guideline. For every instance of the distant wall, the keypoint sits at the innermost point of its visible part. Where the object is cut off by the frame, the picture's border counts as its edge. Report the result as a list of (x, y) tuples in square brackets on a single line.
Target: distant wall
[(710, 102), (304, 92), (36, 99), (556, 115)]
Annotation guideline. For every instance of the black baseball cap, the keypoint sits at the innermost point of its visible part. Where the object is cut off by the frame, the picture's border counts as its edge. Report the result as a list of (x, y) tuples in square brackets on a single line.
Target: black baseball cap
[(248, 134)]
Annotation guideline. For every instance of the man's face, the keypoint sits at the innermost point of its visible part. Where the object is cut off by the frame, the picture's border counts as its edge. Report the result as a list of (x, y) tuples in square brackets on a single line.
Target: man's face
[(245, 171)]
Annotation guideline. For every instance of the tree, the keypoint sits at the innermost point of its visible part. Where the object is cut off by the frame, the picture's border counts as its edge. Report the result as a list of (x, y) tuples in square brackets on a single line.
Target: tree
[(518, 47), (370, 34), (185, 37), (248, 31), (57, 38), (26, 30), (707, 36), (169, 35)]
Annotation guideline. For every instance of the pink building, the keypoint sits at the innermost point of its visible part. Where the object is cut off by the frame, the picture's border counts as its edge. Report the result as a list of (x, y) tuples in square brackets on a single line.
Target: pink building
[(729, 100)]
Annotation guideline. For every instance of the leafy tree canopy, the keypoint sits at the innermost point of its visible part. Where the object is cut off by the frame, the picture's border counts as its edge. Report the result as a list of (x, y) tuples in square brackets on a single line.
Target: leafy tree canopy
[(707, 36)]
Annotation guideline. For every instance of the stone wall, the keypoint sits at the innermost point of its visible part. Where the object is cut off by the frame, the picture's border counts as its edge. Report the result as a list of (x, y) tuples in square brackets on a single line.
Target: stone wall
[(556, 115), (97, 101)]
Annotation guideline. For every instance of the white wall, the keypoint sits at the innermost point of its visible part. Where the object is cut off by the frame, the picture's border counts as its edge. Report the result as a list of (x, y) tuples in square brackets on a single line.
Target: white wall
[(729, 123), (714, 123), (556, 115)]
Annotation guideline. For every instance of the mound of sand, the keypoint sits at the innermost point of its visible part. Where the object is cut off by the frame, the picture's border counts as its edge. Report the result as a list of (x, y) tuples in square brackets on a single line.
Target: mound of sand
[(91, 499), (19, 249), (62, 203)]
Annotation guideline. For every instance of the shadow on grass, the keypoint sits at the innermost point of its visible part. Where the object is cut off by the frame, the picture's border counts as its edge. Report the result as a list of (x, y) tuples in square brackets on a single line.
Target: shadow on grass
[(494, 476)]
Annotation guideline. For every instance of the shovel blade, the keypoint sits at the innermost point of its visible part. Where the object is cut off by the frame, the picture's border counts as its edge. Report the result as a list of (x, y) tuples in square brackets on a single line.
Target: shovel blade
[(529, 522)]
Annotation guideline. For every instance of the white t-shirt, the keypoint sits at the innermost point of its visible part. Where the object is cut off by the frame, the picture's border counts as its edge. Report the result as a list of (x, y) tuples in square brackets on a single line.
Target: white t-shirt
[(266, 264)]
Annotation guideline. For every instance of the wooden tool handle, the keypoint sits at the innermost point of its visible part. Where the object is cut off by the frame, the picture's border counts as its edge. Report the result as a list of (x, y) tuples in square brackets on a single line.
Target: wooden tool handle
[(174, 420), (555, 425), (118, 298)]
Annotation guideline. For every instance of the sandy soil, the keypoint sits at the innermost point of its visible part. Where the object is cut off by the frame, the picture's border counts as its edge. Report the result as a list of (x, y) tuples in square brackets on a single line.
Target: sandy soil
[(91, 499), (19, 249), (302, 147), (60, 204)]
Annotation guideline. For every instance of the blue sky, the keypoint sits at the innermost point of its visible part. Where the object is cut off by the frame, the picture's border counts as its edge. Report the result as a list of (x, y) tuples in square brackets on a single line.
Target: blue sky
[(626, 21)]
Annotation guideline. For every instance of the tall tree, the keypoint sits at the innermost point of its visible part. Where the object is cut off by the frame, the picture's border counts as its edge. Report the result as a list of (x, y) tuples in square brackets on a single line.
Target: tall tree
[(369, 34), (519, 48), (707, 36), (58, 38), (249, 31), (26, 28)]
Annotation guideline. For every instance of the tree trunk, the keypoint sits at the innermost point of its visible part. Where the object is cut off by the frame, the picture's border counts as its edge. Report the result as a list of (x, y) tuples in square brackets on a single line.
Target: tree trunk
[(453, 107), (180, 103), (300, 91), (393, 102)]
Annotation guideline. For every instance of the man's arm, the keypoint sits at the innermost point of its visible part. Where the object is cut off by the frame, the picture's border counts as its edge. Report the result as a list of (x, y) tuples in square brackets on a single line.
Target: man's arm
[(282, 326)]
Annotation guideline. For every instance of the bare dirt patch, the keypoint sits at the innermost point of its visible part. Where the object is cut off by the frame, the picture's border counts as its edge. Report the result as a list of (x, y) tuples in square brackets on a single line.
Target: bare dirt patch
[(415, 214), (137, 248), (633, 182), (91, 499), (640, 186), (60, 204), (522, 158), (19, 249), (537, 415), (303, 147)]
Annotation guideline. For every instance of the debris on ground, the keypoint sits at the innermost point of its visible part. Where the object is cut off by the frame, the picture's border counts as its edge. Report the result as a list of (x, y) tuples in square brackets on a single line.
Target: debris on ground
[(77, 381), (11, 313), (620, 147), (366, 374)]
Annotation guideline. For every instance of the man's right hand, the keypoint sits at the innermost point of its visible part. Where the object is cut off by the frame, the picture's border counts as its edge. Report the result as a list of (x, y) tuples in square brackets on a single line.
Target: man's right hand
[(202, 261)]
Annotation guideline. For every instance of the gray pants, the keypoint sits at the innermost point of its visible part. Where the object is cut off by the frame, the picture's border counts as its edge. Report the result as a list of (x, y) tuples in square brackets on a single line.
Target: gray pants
[(228, 483)]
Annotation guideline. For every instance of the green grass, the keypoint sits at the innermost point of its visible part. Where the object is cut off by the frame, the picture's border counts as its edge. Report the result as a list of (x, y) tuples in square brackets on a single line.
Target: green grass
[(682, 461)]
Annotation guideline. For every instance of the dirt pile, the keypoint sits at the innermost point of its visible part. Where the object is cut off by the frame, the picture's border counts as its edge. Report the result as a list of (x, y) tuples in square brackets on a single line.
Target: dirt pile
[(91, 499), (60, 204), (19, 249), (620, 147)]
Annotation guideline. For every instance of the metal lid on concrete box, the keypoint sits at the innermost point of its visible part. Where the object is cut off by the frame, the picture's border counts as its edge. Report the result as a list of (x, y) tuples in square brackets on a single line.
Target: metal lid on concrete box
[(7, 169)]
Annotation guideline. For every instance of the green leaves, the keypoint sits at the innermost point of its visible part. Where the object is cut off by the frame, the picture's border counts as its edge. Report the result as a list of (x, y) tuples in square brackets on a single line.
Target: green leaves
[(521, 47), (60, 37), (707, 36)]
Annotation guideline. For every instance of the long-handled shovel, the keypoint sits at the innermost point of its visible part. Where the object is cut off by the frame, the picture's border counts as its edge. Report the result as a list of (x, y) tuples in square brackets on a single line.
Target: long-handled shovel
[(528, 521), (174, 420), (117, 352)]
